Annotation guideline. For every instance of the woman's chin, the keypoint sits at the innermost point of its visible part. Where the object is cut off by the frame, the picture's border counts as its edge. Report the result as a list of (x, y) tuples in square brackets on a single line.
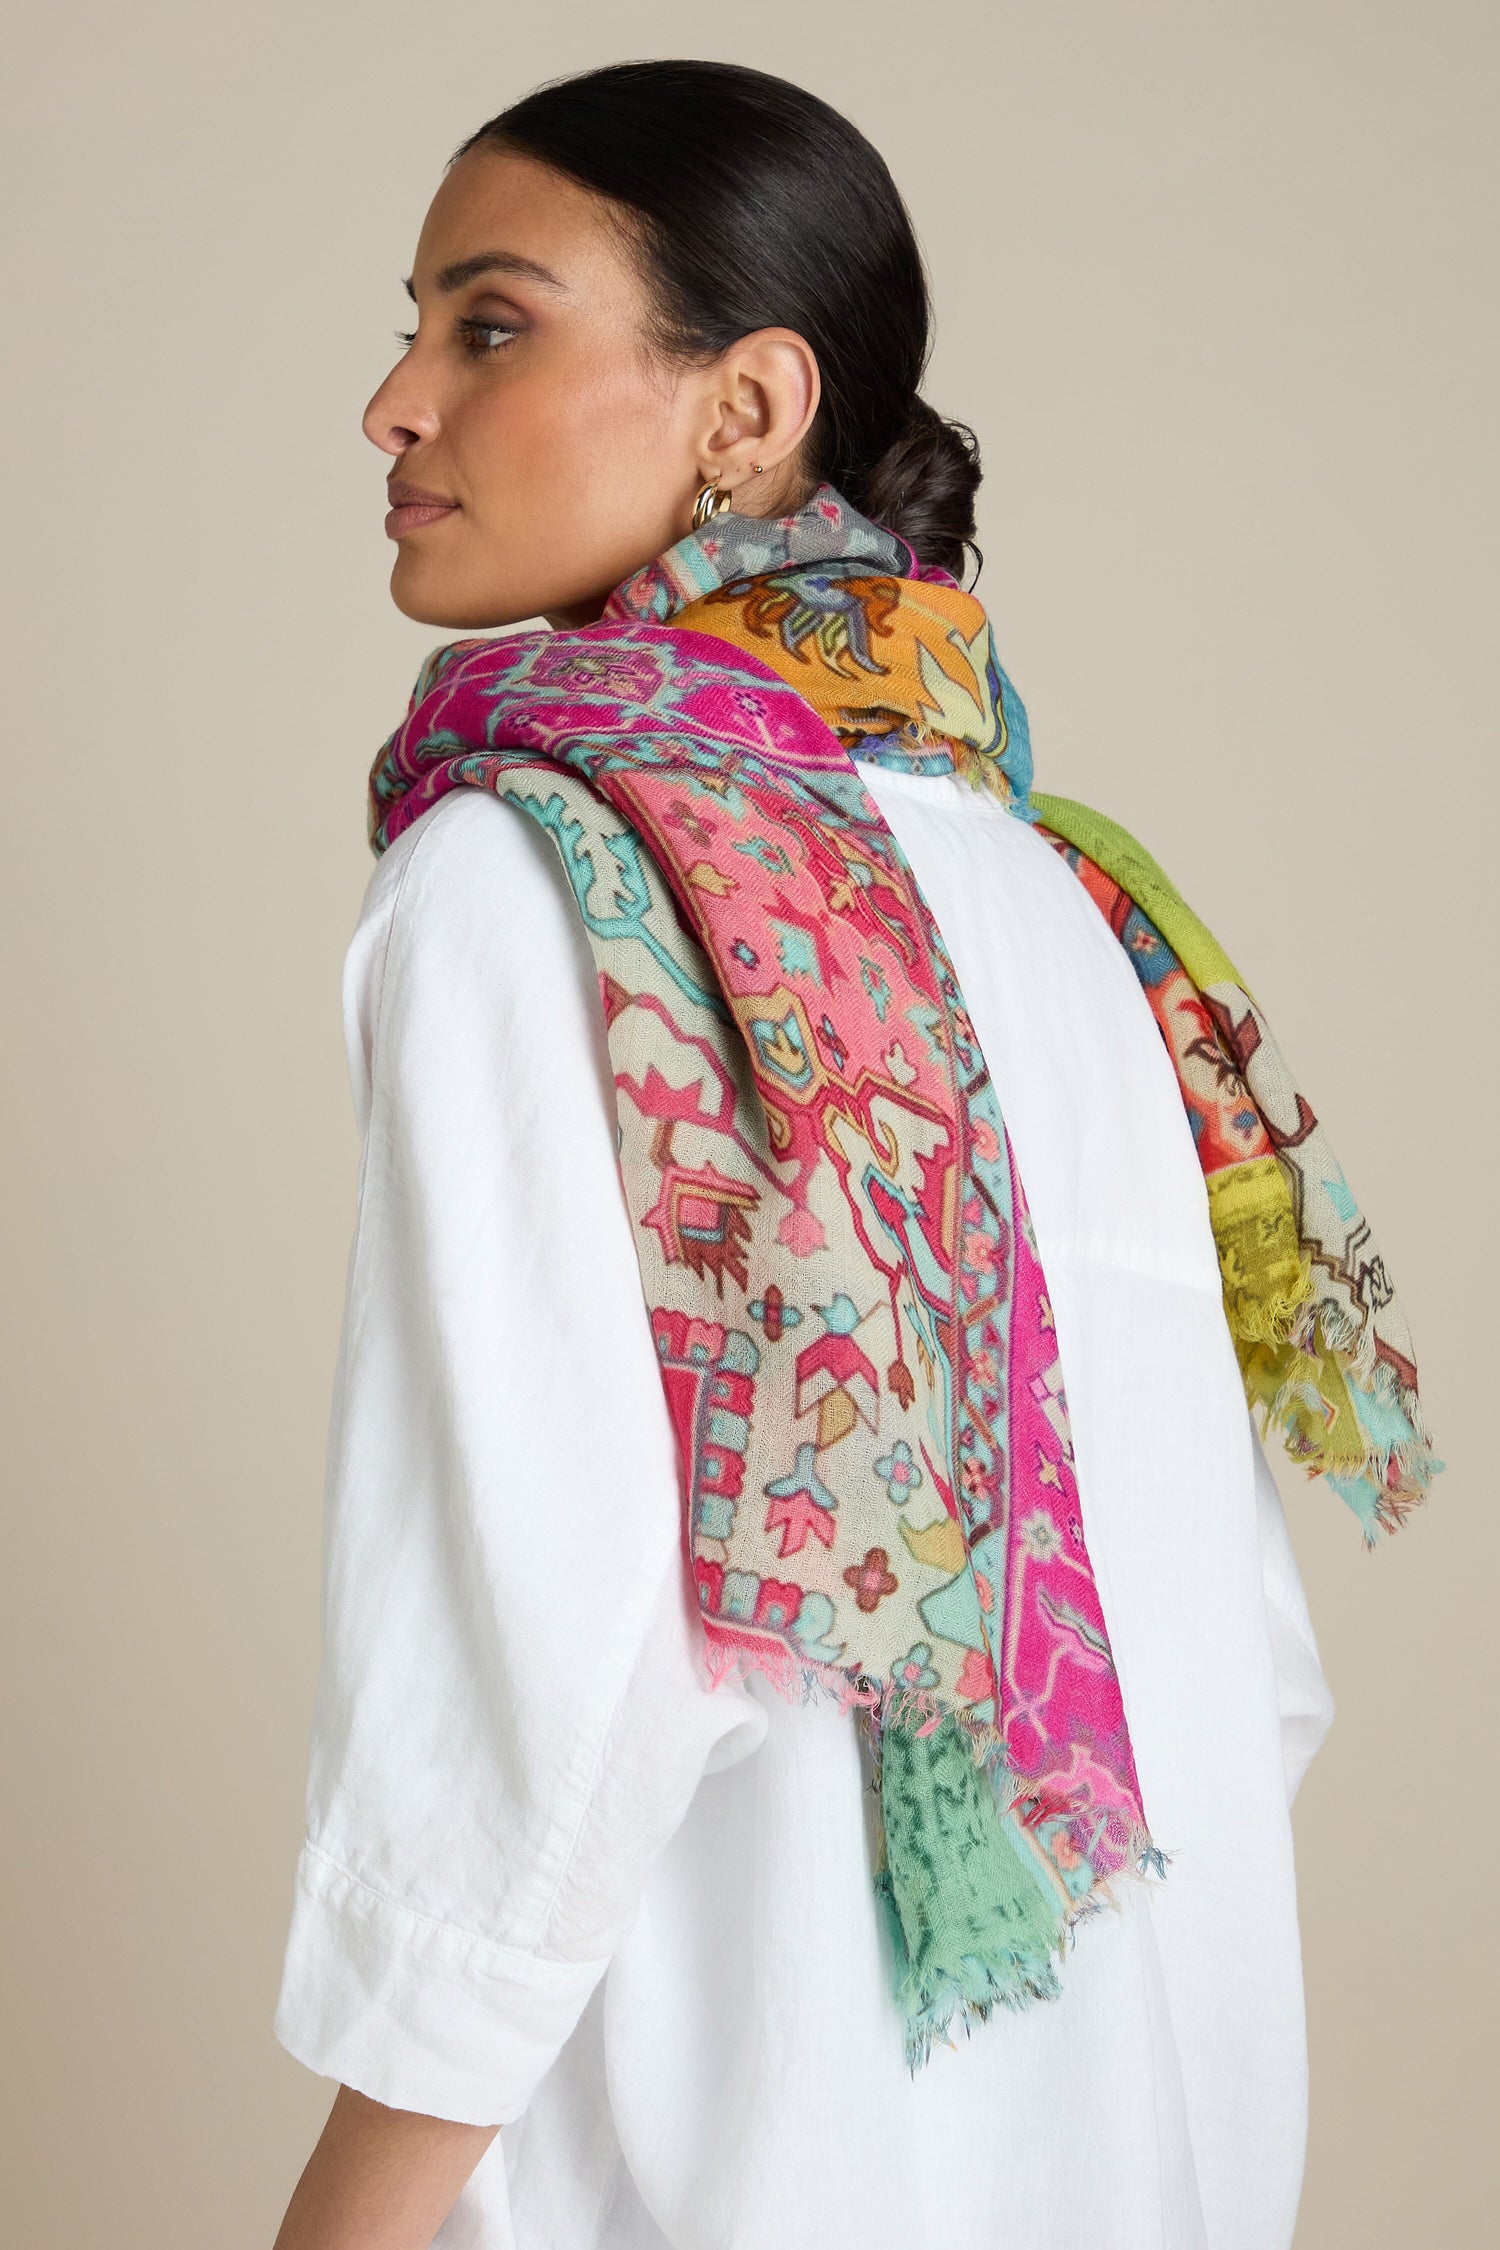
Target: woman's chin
[(430, 597), (422, 595)]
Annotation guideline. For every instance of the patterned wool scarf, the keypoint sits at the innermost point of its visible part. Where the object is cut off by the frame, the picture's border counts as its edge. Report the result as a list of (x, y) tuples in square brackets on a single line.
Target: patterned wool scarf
[(845, 1290)]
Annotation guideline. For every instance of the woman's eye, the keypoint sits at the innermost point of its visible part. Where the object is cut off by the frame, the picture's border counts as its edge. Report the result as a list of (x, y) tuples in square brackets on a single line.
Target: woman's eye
[(484, 337), (481, 338)]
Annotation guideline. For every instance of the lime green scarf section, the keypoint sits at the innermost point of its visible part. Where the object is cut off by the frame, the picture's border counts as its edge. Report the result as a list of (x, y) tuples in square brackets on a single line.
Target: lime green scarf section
[(1325, 1354)]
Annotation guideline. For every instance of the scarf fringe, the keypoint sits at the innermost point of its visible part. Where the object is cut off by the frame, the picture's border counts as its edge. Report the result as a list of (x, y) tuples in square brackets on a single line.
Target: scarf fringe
[(735, 1658), (948, 1986), (1394, 1466), (939, 2006), (944, 1998), (1270, 1319), (958, 1998)]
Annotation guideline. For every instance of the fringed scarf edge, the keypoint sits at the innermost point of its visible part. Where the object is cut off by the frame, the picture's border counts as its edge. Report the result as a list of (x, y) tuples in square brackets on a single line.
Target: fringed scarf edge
[(938, 1772)]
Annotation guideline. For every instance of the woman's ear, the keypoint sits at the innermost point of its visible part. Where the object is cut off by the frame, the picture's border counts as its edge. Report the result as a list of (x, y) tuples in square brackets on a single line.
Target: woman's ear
[(760, 400)]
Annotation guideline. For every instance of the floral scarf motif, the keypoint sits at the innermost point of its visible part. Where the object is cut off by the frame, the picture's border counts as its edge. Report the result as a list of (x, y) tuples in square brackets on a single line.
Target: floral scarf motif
[(851, 1318)]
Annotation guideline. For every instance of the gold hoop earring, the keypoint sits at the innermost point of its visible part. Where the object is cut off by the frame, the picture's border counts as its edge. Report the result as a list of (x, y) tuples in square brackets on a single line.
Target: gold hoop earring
[(710, 502)]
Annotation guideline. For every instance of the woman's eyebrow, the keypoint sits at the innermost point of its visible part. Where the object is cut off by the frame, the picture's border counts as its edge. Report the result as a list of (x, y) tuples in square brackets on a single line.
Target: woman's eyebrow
[(465, 270)]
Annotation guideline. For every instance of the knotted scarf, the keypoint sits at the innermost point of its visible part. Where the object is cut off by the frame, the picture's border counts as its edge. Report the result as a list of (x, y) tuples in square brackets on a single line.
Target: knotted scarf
[(846, 1294)]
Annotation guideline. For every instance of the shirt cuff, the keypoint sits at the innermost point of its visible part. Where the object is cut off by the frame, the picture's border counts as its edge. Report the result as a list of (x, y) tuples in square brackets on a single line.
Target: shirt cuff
[(413, 2012)]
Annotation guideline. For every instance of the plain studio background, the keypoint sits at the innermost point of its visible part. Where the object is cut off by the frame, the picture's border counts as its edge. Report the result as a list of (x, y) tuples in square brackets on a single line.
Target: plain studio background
[(1215, 285)]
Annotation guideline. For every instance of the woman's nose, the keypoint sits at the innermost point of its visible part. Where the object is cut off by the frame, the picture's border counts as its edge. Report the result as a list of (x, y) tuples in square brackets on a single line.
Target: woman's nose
[(397, 417)]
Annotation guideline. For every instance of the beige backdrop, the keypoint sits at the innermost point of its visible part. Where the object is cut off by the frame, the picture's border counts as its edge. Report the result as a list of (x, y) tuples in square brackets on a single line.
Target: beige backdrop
[(1216, 287)]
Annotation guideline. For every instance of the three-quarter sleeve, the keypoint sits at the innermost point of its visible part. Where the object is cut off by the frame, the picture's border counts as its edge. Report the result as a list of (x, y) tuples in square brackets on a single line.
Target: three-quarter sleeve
[(512, 1711)]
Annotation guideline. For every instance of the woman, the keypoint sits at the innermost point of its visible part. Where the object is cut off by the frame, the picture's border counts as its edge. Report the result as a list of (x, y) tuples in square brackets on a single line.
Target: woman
[(755, 1132)]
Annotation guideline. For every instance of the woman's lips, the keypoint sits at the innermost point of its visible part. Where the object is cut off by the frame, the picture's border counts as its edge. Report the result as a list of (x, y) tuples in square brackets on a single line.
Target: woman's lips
[(413, 514), (412, 508)]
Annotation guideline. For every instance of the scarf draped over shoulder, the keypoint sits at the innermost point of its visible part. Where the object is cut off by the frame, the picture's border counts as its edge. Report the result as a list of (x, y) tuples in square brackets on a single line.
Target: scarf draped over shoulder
[(847, 1297)]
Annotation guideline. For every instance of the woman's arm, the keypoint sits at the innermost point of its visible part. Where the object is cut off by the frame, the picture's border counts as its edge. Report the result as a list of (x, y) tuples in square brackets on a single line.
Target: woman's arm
[(513, 1712), (380, 2179)]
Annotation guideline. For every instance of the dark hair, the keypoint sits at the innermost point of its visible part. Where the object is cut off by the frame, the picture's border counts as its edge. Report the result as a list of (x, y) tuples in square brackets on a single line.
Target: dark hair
[(755, 205)]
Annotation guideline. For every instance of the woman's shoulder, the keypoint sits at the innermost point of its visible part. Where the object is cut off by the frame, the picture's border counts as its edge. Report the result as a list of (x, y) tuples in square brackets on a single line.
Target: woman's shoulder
[(474, 878), (463, 863), (468, 937)]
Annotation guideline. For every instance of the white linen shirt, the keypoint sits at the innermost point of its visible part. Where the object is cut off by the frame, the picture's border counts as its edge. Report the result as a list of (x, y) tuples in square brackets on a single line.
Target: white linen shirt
[(552, 1878)]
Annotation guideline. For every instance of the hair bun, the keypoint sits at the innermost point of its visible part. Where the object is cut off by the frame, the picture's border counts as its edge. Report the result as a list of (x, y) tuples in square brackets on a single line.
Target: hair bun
[(923, 487)]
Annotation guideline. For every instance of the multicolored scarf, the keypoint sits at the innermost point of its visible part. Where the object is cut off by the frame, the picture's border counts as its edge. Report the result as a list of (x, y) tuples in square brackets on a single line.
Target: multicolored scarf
[(848, 1302)]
